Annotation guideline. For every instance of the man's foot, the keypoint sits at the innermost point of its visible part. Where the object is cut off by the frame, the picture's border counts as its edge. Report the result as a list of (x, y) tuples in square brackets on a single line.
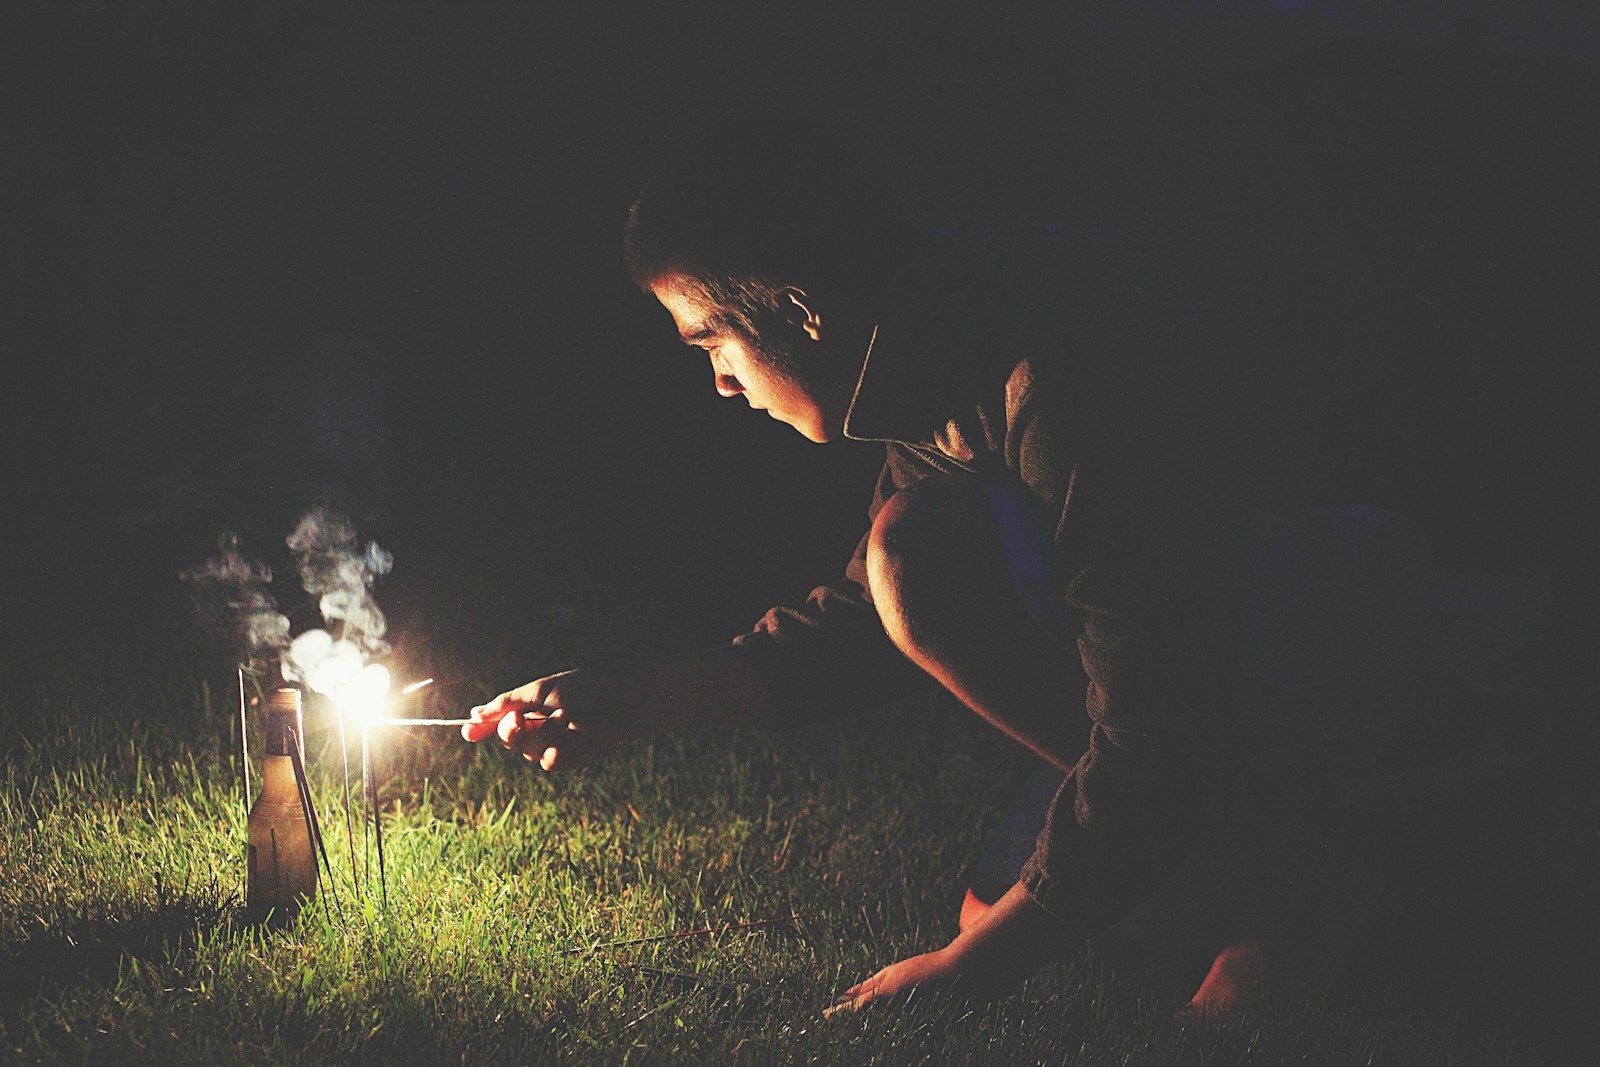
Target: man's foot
[(1237, 970), (971, 909)]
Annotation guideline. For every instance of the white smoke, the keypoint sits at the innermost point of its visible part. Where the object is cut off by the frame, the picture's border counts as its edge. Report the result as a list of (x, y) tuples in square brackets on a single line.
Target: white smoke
[(322, 662), (232, 595), (339, 571)]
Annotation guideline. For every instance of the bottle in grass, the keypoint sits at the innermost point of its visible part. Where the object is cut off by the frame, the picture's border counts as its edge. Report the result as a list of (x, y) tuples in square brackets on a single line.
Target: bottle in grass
[(281, 866)]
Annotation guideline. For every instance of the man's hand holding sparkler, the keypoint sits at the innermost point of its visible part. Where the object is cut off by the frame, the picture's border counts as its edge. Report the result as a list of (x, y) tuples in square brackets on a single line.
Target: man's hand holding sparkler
[(569, 720), (563, 721)]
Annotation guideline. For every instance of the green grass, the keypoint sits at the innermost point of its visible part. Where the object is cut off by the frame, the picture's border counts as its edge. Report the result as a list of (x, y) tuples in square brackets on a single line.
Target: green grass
[(122, 939)]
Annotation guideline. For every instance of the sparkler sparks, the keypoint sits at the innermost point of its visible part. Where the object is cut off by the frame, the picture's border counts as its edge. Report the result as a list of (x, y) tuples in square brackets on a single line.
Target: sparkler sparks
[(363, 699)]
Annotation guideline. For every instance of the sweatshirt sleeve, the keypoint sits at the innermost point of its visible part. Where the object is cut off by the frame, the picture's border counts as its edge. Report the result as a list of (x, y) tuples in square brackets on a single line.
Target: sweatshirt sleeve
[(1146, 557), (830, 655), (1136, 797)]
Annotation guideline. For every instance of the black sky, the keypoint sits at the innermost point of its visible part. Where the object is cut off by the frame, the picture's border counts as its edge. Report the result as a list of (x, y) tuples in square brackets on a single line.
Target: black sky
[(371, 254)]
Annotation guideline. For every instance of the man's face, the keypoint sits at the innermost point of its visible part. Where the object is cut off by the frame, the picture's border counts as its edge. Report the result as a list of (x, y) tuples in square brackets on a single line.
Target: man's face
[(766, 371)]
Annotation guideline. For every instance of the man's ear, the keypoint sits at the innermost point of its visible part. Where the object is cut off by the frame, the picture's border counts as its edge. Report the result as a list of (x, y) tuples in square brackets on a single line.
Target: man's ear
[(800, 311)]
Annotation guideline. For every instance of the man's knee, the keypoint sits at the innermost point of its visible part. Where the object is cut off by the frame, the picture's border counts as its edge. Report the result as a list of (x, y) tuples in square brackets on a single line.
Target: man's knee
[(931, 546)]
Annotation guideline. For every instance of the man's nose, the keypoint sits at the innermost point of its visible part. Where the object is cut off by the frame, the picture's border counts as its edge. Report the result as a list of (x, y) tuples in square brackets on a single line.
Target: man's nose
[(727, 384)]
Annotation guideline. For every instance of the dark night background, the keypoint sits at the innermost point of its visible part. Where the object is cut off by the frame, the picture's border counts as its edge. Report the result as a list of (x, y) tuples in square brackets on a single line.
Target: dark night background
[(371, 254)]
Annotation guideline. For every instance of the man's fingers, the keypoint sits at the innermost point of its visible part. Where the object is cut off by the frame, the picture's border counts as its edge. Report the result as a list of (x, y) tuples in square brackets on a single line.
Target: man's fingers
[(855, 998), (491, 717), (553, 728), (475, 731), (508, 726), (483, 723), (524, 726), (531, 733)]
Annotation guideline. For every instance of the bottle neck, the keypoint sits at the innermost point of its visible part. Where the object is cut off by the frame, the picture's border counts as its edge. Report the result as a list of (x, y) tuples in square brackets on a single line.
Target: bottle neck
[(282, 727)]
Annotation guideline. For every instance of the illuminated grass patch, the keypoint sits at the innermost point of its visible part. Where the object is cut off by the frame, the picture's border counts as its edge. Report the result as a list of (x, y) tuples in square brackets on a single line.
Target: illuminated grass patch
[(122, 938)]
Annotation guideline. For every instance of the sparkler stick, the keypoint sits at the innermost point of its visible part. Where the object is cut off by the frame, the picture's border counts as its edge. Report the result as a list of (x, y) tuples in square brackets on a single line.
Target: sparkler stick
[(396, 720), (399, 720), (369, 793), (244, 747), (377, 829), (344, 759)]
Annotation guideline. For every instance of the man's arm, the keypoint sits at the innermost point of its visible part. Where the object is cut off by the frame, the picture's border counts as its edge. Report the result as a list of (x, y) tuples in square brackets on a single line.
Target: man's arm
[(568, 720), (829, 654), (991, 956), (799, 661)]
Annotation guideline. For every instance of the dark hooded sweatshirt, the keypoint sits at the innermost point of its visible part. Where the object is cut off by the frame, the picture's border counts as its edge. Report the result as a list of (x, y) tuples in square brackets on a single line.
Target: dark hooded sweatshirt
[(1093, 364)]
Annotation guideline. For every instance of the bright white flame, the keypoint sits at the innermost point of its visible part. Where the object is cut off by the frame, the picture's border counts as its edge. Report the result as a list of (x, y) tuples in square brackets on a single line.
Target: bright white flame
[(361, 698), (414, 686)]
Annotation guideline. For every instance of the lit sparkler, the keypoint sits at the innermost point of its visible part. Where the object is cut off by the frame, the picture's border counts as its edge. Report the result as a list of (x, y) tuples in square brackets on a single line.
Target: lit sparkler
[(364, 699), (360, 694)]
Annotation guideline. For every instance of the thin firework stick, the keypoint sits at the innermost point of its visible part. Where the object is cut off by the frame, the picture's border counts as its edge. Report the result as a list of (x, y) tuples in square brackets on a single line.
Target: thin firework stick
[(377, 833), (367, 794), (396, 720), (528, 718), (244, 747), (313, 823), (344, 760), (709, 930)]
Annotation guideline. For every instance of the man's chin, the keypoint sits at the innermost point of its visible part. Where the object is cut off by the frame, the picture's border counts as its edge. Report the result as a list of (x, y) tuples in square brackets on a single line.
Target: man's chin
[(814, 433), (814, 430)]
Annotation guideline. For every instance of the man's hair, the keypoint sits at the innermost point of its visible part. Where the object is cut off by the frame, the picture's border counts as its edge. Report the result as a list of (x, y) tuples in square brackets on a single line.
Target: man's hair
[(743, 225)]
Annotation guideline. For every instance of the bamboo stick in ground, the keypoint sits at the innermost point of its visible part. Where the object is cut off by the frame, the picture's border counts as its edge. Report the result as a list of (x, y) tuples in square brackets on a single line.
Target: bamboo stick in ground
[(344, 760), (244, 747), (377, 833), (367, 795)]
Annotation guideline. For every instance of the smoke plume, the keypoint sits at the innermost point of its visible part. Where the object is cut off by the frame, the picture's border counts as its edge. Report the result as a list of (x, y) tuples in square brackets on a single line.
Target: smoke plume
[(233, 597), (339, 571), (232, 594)]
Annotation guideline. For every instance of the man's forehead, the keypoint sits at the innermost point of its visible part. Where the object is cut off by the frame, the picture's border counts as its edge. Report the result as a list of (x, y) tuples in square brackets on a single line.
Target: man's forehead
[(696, 317)]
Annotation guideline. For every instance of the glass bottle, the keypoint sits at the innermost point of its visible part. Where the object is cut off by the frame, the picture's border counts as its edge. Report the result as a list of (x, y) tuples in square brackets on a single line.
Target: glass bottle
[(281, 866)]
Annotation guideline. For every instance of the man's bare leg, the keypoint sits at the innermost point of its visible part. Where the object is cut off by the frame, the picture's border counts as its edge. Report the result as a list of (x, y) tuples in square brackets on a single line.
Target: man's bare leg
[(1236, 972)]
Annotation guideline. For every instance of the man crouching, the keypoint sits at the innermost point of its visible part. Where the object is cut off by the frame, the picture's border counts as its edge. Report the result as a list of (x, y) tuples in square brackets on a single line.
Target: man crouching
[(1057, 537)]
